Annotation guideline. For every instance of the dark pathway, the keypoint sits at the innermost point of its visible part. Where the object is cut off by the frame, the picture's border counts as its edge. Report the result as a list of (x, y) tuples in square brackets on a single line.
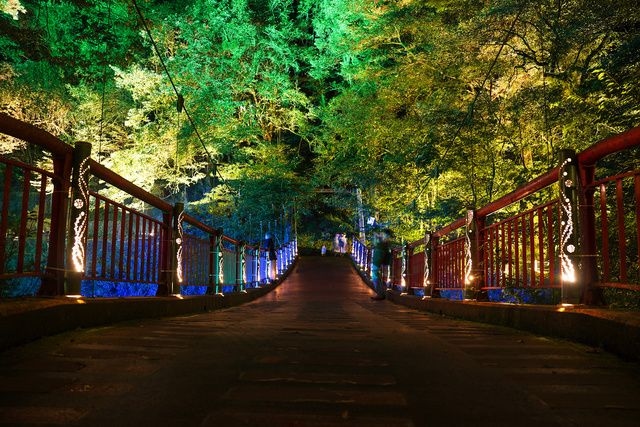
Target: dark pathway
[(315, 352)]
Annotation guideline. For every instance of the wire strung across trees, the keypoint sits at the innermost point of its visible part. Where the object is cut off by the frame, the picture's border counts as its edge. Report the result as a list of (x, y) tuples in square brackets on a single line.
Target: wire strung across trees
[(179, 98)]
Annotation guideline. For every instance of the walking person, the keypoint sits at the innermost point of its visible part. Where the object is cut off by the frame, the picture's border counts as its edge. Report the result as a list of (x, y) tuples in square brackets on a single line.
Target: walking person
[(342, 243), (380, 261)]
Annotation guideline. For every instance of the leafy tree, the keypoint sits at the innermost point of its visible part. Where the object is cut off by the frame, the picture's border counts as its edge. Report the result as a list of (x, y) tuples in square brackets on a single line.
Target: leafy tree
[(427, 106)]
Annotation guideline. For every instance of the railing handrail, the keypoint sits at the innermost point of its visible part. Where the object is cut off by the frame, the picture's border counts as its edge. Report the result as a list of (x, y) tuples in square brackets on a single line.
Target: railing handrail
[(610, 145), (30, 133), (112, 178)]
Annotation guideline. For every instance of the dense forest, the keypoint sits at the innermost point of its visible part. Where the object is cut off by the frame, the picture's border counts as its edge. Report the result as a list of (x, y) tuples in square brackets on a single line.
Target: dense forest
[(256, 113)]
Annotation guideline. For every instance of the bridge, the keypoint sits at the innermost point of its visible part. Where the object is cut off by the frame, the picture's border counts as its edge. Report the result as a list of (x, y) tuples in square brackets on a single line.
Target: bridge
[(206, 337)]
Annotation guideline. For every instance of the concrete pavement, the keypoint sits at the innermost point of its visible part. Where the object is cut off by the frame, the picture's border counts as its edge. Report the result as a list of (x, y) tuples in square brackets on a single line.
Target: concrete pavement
[(315, 351)]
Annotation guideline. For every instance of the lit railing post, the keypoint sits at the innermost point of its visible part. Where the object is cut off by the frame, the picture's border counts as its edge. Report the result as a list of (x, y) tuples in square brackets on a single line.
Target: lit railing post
[(285, 257), (469, 291), (364, 256), (176, 250), (78, 220), (426, 275), (265, 266), (213, 262), (390, 270), (256, 267), (217, 263), (405, 275), (433, 277), (240, 264), (475, 225), (54, 277), (354, 252), (165, 254), (571, 291), (283, 253)]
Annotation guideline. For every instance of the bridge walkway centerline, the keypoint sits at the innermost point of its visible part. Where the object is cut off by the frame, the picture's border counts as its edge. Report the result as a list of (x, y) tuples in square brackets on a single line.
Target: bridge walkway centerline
[(316, 351)]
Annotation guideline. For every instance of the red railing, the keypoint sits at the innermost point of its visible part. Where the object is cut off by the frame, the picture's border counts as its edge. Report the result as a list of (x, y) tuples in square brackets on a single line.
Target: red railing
[(520, 251), (123, 245), (28, 224), (583, 236), (617, 215), (160, 246)]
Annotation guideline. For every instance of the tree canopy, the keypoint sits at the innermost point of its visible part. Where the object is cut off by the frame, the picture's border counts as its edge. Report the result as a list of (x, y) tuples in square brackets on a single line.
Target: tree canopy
[(260, 113)]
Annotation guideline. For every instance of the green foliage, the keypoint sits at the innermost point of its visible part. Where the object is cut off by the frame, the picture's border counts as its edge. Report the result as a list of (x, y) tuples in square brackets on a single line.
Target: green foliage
[(11, 7), (428, 107), (471, 99)]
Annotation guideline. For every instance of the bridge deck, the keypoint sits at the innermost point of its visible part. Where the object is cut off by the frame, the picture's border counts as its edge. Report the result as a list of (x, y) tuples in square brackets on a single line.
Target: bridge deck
[(317, 351)]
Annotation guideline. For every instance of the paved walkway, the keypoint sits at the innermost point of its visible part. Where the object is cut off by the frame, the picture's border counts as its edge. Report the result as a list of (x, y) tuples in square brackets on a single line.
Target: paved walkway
[(317, 351)]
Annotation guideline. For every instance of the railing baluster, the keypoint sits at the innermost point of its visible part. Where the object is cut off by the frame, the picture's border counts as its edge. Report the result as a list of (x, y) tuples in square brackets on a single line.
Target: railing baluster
[(41, 207), (539, 218), (121, 246), (622, 241), (92, 271), (105, 240), (8, 174), (24, 211), (604, 226), (636, 181)]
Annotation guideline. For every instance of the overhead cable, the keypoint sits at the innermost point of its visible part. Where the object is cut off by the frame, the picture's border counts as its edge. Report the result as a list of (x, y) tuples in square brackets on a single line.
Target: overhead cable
[(180, 99)]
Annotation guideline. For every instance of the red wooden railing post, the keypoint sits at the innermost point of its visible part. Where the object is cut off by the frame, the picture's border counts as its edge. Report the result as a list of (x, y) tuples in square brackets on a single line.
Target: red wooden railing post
[(592, 294), (177, 245), (405, 279), (433, 259), (213, 242), (476, 238), (165, 254), (240, 254), (427, 279), (53, 278), (78, 220), (569, 181), (474, 272), (219, 264)]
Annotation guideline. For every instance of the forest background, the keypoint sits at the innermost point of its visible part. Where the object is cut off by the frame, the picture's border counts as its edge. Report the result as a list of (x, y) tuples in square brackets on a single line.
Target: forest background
[(260, 113)]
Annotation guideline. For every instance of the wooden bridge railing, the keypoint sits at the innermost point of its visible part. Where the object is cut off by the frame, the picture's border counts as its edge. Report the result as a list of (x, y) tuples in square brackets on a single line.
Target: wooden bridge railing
[(583, 235), (60, 233)]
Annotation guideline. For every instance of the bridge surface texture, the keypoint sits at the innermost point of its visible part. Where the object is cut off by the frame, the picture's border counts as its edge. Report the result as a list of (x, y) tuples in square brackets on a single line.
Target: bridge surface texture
[(316, 351)]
